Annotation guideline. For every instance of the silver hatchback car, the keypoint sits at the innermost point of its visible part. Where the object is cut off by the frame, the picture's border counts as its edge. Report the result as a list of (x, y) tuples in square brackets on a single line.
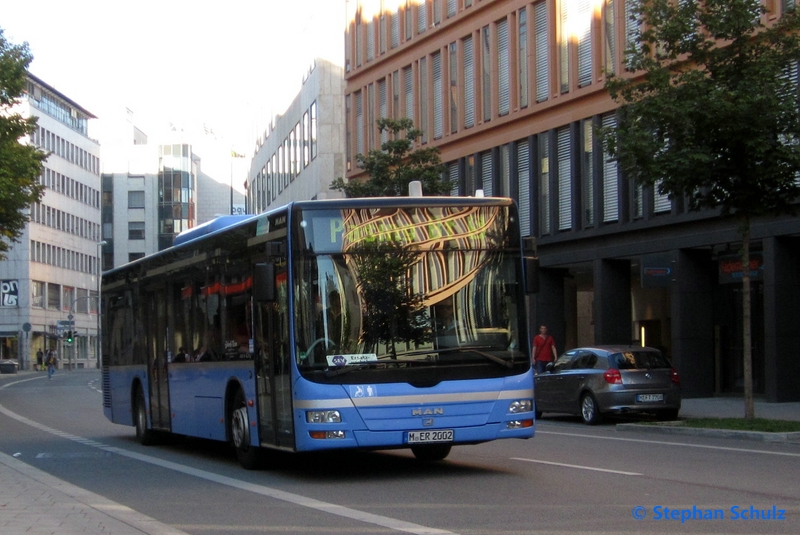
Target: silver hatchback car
[(592, 381)]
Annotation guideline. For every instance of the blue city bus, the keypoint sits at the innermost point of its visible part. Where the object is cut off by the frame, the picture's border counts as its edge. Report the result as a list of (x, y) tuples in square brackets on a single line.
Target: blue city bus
[(375, 323)]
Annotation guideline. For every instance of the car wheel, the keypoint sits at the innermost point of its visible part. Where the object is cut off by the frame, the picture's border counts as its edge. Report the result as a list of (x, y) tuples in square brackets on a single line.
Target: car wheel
[(433, 452), (590, 413), (667, 415), (146, 437), (249, 456)]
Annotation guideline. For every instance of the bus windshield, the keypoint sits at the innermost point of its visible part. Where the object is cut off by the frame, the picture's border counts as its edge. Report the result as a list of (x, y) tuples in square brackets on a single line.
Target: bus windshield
[(402, 293)]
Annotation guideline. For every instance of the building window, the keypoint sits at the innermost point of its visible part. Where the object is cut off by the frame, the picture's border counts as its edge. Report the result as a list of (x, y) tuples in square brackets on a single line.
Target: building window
[(53, 292), (661, 203), (486, 74), (487, 168), (359, 123), (522, 57), (37, 293), (422, 16), (453, 92), (136, 199), (524, 181), (566, 19), (564, 150), (82, 301), (306, 132), (469, 83), (584, 33), (383, 108), (541, 51), (438, 97), (423, 99), (587, 172), (503, 66), (451, 8), (135, 256), (68, 298), (544, 183), (408, 76), (313, 130), (609, 37), (452, 174), (136, 230), (632, 29)]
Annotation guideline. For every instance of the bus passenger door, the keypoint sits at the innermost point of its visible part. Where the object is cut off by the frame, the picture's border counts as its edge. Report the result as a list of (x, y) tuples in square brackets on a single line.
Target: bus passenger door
[(157, 358), (274, 367)]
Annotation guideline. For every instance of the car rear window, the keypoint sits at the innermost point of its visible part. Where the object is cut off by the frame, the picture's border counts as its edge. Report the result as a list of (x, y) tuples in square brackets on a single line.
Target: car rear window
[(631, 360)]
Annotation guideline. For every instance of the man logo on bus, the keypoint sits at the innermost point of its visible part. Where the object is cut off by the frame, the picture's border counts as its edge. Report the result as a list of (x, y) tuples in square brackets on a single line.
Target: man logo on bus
[(427, 412)]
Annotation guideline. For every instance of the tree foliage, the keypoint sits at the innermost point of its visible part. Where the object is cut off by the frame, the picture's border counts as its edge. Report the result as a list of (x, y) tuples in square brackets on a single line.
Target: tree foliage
[(391, 313), (714, 118), (20, 165), (710, 115), (391, 168)]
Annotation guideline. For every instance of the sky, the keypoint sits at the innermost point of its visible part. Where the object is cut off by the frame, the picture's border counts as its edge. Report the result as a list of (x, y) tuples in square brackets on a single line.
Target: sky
[(228, 65)]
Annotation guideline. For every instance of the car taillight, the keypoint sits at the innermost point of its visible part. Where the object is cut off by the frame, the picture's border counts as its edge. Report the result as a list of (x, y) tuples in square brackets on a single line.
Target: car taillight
[(676, 379), (613, 377)]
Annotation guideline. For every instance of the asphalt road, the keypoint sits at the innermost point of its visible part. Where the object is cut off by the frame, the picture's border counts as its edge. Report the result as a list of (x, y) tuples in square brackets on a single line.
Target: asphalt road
[(570, 478)]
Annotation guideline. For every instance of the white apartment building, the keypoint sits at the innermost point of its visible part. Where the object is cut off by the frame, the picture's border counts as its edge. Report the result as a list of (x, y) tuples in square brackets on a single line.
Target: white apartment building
[(302, 150), (51, 276), (154, 189)]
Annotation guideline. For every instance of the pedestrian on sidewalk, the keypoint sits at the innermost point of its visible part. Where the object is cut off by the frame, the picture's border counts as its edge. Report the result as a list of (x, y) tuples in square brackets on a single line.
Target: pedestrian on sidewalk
[(39, 361), (544, 350), (51, 364)]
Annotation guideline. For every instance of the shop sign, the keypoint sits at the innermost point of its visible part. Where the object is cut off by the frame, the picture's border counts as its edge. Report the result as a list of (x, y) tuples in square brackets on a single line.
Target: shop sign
[(658, 270), (9, 293), (730, 268)]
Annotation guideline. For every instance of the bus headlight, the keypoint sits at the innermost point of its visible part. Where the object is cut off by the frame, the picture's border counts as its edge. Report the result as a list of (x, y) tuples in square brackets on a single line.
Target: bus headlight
[(323, 417), (520, 405)]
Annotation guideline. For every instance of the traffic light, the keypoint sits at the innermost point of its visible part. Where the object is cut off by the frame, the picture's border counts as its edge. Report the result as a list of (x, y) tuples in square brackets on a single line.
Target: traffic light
[(69, 336)]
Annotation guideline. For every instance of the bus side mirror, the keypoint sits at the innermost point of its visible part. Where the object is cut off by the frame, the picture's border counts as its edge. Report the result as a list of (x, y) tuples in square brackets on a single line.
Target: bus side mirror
[(264, 283), (531, 275)]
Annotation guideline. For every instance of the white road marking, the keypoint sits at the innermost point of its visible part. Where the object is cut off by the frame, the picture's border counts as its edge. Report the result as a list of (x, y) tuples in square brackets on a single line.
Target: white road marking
[(667, 443), (303, 501), (577, 466)]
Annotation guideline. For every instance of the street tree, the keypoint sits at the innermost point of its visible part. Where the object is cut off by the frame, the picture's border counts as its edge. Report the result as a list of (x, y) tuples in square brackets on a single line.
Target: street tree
[(20, 164), (709, 113), (391, 168)]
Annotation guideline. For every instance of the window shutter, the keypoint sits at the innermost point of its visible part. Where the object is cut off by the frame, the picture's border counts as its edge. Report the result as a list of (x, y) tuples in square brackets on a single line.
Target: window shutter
[(541, 51), (486, 173), (469, 84), (610, 178), (564, 180), (524, 180), (438, 112), (502, 67)]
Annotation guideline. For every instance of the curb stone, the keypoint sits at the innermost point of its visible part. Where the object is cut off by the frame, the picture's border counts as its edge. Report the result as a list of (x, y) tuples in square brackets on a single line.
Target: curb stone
[(675, 428)]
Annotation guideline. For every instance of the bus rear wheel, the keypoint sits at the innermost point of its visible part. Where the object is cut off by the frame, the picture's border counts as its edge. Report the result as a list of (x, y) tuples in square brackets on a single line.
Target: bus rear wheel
[(249, 456), (431, 452)]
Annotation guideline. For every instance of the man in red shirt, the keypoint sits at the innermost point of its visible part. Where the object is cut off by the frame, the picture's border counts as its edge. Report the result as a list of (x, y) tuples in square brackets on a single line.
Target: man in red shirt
[(544, 349)]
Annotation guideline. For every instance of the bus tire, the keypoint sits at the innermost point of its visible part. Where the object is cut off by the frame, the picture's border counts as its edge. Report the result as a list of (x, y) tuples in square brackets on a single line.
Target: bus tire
[(146, 437), (248, 456), (431, 452)]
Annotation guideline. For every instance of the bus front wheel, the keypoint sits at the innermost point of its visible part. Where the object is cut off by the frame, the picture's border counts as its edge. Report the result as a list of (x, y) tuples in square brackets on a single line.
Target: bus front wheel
[(146, 436), (249, 456)]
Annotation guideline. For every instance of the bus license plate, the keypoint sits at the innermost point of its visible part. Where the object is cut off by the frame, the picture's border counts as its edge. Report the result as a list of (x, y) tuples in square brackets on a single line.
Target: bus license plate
[(649, 398), (432, 435)]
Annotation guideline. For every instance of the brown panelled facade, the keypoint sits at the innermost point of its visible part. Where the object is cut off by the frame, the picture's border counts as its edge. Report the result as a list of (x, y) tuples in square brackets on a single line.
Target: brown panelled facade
[(511, 93)]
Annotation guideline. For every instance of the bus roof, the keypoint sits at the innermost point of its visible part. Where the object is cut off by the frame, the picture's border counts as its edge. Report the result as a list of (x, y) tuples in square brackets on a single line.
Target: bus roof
[(223, 223)]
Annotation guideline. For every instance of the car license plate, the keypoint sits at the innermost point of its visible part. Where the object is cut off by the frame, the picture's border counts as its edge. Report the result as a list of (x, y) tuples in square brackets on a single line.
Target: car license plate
[(431, 435), (649, 398)]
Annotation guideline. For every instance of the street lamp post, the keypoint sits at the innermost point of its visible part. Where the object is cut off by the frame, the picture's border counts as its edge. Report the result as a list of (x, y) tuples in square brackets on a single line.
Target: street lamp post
[(99, 341)]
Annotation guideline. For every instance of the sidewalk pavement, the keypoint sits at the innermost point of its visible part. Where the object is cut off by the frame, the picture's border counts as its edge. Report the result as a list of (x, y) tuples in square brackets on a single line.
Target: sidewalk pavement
[(36, 503)]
